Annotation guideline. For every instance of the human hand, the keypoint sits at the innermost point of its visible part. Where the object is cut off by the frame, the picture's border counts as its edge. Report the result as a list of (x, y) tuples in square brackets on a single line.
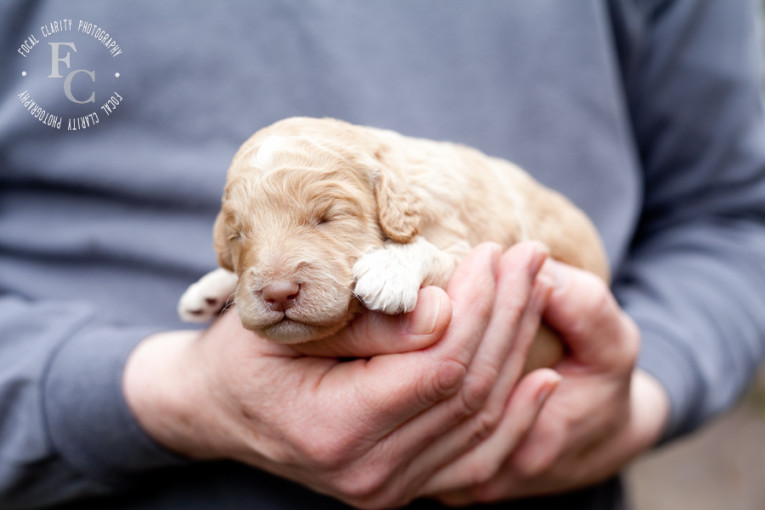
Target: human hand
[(603, 414), (367, 431)]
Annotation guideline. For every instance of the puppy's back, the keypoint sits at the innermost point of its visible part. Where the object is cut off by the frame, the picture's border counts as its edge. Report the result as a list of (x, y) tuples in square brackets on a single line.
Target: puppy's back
[(468, 195)]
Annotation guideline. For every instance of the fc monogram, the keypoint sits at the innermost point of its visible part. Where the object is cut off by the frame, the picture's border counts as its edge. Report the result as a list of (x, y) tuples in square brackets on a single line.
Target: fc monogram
[(57, 59)]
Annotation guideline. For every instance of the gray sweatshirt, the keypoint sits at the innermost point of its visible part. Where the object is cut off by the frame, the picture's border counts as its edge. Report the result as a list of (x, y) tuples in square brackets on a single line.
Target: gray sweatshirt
[(118, 121)]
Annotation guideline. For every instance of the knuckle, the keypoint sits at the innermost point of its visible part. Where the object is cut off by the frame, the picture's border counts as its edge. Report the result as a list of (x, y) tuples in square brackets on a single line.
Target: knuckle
[(487, 423), (373, 487), (323, 451), (445, 382), (531, 470), (513, 297), (596, 307), (482, 473), (360, 486), (482, 425), (476, 389)]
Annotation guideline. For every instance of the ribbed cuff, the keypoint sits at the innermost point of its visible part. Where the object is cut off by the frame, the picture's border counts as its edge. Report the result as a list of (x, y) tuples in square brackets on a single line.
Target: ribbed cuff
[(88, 418)]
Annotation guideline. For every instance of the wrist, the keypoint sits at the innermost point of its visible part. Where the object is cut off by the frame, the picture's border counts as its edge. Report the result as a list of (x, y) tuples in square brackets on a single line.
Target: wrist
[(650, 410), (160, 383)]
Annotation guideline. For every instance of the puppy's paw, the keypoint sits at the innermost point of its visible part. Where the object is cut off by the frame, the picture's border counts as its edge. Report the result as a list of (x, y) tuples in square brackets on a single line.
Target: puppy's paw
[(385, 282), (196, 306), (203, 300)]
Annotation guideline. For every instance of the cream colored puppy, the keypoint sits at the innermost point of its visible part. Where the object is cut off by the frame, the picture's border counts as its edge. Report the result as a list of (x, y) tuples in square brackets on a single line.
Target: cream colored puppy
[(320, 216)]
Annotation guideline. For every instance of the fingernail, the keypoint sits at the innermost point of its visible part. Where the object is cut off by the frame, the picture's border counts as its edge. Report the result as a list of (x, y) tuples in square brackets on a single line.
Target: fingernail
[(422, 320), (548, 388), (543, 287), (538, 258)]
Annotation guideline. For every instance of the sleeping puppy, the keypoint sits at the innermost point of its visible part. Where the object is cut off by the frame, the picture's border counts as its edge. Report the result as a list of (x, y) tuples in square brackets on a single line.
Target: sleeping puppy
[(320, 217)]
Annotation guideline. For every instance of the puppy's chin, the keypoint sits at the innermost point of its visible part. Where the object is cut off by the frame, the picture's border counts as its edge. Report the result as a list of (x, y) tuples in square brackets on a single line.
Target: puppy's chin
[(298, 326), (288, 331), (292, 330)]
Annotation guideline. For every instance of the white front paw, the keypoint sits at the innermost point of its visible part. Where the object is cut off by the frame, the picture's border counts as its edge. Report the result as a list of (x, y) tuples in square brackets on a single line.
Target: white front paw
[(203, 300), (194, 306), (385, 282)]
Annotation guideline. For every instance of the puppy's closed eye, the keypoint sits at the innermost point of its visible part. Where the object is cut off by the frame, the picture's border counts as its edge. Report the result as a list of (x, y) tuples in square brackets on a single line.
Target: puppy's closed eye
[(337, 212)]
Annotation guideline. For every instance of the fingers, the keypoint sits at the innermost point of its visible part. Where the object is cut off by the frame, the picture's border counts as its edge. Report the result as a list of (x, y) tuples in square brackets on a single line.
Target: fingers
[(493, 372), (480, 464), (586, 315), (405, 403), (488, 327), (422, 407), (522, 296), (374, 333)]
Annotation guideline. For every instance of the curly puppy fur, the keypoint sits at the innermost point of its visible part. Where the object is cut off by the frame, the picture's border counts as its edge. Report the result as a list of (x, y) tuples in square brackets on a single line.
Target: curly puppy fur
[(340, 215)]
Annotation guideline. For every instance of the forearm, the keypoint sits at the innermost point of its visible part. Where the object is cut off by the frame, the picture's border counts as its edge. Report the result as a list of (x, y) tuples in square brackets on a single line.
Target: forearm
[(695, 292), (63, 417)]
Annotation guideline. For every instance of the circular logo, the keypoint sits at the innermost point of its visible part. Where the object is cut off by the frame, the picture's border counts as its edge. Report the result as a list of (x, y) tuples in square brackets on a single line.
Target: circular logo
[(70, 74)]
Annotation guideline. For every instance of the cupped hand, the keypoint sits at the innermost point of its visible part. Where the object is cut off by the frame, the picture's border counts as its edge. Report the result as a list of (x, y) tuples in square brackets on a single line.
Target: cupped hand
[(602, 415), (368, 431)]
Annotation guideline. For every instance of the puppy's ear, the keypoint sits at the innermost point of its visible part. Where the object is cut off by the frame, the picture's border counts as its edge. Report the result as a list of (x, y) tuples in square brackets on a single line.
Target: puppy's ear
[(398, 209), (220, 242)]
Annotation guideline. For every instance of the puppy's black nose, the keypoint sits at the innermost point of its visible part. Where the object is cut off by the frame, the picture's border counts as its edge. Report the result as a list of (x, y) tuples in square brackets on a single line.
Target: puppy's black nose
[(280, 295)]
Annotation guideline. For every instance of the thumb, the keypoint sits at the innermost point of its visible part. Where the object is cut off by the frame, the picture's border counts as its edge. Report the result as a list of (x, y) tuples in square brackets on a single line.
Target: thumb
[(374, 333), (587, 317)]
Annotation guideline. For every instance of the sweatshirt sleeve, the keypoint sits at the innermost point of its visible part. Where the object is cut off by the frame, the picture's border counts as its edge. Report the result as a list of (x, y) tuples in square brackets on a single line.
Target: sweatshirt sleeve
[(695, 279), (65, 428)]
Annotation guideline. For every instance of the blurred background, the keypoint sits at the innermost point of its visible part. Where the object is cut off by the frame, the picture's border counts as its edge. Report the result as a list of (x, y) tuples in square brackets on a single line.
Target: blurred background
[(720, 467)]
